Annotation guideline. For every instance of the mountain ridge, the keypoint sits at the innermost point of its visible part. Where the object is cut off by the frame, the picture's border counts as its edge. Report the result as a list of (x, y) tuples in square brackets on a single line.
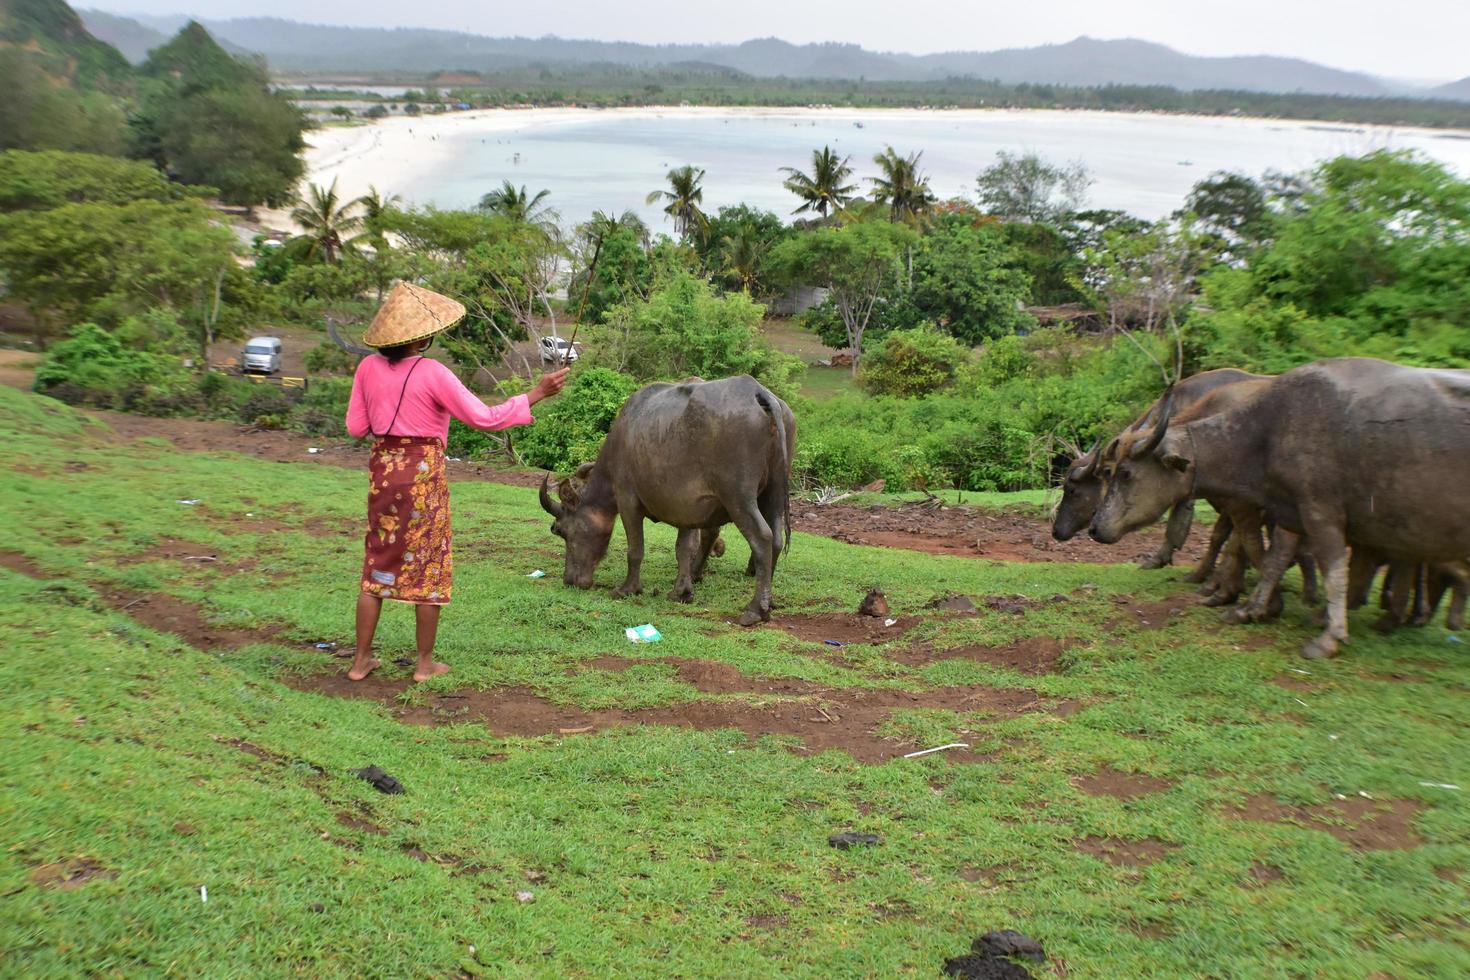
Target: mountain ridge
[(297, 47)]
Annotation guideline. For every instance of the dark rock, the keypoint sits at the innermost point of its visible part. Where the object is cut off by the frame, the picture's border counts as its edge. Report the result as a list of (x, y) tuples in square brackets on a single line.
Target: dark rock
[(849, 839), (381, 781)]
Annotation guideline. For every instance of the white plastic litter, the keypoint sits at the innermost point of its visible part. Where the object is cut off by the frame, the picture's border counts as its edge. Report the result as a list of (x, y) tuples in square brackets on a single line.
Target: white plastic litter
[(188, 503), (647, 633), (203, 893), (1439, 785), (525, 897), (941, 748), (889, 622), (538, 573), (313, 450)]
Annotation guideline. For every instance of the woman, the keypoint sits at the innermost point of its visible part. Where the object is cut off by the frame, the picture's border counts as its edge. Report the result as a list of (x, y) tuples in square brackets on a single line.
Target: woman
[(405, 400)]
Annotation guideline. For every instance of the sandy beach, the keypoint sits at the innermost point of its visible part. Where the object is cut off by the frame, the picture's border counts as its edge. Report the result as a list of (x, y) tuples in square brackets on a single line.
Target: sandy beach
[(431, 158)]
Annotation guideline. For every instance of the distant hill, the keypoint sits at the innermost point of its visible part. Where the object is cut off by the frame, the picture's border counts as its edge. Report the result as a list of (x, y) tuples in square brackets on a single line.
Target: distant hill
[(53, 37), (1459, 91), (130, 37), (304, 48)]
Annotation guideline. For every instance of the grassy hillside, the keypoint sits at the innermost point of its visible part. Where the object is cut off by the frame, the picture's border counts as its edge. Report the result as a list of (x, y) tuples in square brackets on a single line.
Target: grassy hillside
[(1148, 800)]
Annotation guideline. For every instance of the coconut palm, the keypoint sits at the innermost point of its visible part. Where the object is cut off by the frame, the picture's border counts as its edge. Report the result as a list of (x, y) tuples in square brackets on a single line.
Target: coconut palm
[(823, 190), (375, 205), (743, 252), (326, 221), (682, 199), (518, 204), (902, 186), (603, 223)]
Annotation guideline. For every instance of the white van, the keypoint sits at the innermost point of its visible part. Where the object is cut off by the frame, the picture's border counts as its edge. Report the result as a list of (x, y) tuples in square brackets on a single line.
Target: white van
[(261, 354)]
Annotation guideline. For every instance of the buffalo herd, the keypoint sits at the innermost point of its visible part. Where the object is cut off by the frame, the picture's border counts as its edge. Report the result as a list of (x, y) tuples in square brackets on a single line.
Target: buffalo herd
[(1347, 466)]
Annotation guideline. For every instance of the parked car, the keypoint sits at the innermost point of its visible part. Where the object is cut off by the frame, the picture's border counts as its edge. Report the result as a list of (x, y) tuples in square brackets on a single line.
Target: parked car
[(555, 350), (262, 355)]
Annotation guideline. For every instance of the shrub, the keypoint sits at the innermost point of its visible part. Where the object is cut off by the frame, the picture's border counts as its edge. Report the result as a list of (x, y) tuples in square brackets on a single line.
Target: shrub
[(93, 367), (569, 429), (328, 358), (912, 362)]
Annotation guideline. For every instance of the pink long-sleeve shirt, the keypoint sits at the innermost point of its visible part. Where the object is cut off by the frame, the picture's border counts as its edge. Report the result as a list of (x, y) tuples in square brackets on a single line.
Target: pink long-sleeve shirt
[(432, 396)]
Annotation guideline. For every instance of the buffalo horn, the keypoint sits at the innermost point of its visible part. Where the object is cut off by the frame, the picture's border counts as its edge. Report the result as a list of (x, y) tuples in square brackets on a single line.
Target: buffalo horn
[(1083, 468), (583, 471), (551, 507), (1143, 448)]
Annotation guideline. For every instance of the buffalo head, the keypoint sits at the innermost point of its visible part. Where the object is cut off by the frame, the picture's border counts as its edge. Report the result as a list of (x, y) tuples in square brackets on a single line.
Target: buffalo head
[(1145, 472), (1082, 491), (586, 529)]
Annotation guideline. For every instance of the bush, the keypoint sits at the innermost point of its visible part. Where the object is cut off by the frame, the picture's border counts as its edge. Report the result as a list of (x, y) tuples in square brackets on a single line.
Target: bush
[(92, 367), (913, 362), (569, 430), (328, 358)]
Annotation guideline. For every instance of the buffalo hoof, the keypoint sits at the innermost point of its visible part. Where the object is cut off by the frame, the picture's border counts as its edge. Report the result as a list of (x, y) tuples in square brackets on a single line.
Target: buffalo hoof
[(1152, 562), (1320, 649), (1386, 623), (751, 617), (1222, 599), (1238, 617), (623, 591), (681, 595)]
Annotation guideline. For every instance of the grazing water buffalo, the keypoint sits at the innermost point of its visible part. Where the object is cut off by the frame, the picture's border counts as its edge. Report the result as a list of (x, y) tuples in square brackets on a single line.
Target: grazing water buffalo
[(1346, 451), (1082, 487), (696, 455)]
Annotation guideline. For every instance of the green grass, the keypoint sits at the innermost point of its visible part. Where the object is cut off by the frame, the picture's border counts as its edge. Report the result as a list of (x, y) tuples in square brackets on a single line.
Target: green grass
[(665, 851)]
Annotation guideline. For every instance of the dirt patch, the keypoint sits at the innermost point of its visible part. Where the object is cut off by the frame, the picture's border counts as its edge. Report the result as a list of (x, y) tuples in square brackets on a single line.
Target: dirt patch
[(160, 612), (353, 822), (1263, 874), (1123, 852), (189, 555), (708, 676), (975, 533), (1361, 823), (768, 921), (1034, 655), (1121, 785), (845, 720), (73, 873), (843, 628), (1156, 615), (250, 748)]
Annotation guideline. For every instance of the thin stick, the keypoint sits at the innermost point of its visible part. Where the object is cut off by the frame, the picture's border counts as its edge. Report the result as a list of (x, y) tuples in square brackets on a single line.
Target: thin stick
[(951, 745)]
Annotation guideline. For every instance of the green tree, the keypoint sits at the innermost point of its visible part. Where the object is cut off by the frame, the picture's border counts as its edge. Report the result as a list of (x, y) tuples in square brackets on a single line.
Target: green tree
[(327, 222), (823, 190), (682, 200), (51, 178), (966, 280), (735, 244), (854, 263), (1025, 187), (902, 186), (1230, 206), (42, 112), (208, 118)]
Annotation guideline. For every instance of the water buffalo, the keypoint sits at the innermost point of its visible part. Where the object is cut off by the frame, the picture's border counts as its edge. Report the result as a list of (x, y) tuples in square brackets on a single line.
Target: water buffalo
[(1082, 487), (695, 455), (1349, 451)]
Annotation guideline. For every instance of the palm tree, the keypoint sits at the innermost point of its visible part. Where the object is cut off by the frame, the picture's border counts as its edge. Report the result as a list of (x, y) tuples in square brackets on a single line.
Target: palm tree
[(518, 204), (743, 252), (603, 223), (902, 186), (823, 190), (326, 221), (681, 201)]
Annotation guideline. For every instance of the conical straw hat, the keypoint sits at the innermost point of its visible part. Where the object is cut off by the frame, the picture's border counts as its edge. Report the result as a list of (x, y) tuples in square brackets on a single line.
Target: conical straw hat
[(411, 313)]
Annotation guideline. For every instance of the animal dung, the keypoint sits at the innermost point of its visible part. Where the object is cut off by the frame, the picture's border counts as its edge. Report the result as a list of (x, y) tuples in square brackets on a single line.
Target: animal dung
[(848, 839), (993, 955), (874, 604), (381, 781)]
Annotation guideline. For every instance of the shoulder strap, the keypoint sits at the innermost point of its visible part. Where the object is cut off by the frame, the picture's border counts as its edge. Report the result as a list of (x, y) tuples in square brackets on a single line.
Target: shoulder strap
[(397, 408)]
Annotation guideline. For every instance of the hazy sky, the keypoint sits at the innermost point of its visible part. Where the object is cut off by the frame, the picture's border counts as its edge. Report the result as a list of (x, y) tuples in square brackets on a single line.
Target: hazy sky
[(1402, 38)]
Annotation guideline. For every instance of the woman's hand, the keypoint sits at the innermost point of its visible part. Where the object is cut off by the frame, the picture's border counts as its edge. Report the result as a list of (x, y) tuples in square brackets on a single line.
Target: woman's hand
[(548, 385)]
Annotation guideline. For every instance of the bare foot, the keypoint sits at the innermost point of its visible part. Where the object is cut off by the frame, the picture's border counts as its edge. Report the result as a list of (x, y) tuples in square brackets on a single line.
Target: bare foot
[(435, 669), (359, 673)]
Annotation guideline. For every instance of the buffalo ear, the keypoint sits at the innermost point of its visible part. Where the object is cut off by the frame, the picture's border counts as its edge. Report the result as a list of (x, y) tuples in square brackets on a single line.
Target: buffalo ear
[(569, 494), (1174, 461)]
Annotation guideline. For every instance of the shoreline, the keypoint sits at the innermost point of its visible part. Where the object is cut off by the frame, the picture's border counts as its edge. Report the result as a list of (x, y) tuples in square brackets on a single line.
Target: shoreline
[(398, 152)]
